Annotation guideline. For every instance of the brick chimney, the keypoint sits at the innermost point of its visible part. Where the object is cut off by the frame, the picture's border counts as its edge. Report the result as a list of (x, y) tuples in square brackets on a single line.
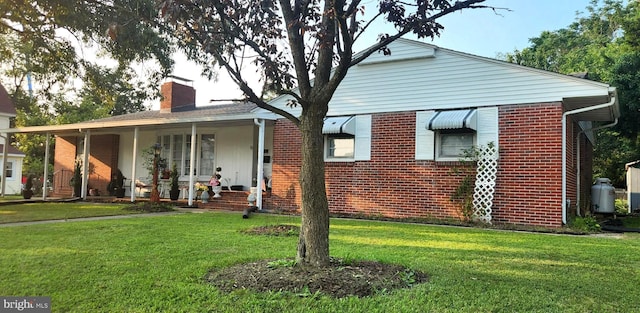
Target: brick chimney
[(177, 97)]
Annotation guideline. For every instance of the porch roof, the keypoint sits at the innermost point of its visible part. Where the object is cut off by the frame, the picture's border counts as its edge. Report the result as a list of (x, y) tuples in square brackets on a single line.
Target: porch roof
[(222, 115)]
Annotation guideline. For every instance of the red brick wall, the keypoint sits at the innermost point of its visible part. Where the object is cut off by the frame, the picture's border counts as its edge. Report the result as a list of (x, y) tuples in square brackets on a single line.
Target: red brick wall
[(64, 157), (394, 184), (103, 157), (528, 187)]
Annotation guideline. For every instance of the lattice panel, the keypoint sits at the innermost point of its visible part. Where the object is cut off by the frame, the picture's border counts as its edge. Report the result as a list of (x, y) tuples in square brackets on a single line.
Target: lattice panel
[(485, 184)]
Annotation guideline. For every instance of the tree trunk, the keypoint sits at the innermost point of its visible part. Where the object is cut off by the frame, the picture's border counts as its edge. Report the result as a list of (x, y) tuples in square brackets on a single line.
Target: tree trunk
[(313, 244)]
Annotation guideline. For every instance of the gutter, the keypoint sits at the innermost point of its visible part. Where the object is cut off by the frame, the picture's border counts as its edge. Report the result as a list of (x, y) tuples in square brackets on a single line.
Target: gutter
[(578, 159), (564, 149)]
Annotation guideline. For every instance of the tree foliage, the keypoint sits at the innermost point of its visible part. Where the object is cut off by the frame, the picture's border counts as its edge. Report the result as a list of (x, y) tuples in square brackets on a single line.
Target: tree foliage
[(605, 43), (60, 45), (306, 44)]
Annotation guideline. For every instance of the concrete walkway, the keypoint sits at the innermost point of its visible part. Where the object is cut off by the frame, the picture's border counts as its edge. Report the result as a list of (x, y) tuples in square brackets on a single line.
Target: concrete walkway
[(85, 219)]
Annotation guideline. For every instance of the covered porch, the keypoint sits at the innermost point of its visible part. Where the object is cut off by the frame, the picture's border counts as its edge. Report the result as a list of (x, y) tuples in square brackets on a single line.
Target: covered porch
[(198, 141)]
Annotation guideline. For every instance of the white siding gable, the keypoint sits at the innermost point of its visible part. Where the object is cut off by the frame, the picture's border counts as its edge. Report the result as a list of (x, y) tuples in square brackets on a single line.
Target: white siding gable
[(411, 81)]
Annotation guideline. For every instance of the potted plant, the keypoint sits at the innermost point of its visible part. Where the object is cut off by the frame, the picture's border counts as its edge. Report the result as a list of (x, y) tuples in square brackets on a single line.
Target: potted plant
[(118, 184), (27, 191), (76, 181), (202, 192), (174, 192), (216, 186)]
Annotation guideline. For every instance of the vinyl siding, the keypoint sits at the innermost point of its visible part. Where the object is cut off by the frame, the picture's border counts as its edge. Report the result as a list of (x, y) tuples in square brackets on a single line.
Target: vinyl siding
[(412, 82)]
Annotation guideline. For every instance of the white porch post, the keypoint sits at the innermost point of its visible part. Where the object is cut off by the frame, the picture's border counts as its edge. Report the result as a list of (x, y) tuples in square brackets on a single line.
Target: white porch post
[(260, 171), (45, 176), (134, 158), (85, 164), (192, 163), (4, 162)]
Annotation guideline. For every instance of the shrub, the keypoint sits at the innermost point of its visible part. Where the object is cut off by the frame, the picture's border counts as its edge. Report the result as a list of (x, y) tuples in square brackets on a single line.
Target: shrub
[(622, 206), (586, 224)]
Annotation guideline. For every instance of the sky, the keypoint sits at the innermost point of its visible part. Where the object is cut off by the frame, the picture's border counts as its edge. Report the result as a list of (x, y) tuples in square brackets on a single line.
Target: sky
[(479, 31)]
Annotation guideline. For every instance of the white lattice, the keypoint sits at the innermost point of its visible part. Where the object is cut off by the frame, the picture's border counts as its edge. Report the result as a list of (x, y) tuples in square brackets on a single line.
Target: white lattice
[(485, 184)]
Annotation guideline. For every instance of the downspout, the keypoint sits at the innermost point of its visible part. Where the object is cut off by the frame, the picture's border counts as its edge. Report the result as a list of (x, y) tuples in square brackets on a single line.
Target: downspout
[(134, 160), (564, 149), (4, 162), (45, 179), (85, 164), (192, 163), (260, 172), (578, 156)]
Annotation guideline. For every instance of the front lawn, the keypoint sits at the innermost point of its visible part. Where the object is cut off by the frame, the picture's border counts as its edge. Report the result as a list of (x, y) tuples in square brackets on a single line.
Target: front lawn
[(159, 263), (40, 211)]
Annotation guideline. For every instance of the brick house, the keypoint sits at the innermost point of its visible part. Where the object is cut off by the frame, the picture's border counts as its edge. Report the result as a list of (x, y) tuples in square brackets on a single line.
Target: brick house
[(393, 136), (405, 118)]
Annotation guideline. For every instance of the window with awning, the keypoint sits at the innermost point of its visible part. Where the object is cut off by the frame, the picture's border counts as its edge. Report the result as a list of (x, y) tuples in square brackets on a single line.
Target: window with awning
[(455, 132), (339, 137), (454, 119), (339, 125)]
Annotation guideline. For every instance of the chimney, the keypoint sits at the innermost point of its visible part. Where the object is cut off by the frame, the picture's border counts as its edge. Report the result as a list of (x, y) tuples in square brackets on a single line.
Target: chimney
[(177, 97)]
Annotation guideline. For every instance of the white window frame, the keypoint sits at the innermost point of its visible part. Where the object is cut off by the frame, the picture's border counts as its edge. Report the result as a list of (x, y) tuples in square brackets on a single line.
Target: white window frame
[(440, 134), (8, 166), (186, 152), (329, 158)]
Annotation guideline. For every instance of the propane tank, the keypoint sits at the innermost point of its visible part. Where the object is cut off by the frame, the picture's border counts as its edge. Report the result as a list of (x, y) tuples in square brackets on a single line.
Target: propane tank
[(603, 196)]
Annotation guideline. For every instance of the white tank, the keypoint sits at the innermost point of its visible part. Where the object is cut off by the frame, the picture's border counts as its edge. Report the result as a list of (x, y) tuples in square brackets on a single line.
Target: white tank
[(603, 196)]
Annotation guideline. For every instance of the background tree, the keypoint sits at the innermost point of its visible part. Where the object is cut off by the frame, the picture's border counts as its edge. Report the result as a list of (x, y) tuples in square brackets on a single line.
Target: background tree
[(303, 44), (605, 43), (59, 43)]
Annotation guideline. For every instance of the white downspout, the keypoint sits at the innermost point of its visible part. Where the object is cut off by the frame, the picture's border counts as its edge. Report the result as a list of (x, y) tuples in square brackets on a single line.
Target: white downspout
[(134, 160), (564, 149), (578, 157), (4, 162), (45, 179), (85, 164), (192, 163), (260, 172)]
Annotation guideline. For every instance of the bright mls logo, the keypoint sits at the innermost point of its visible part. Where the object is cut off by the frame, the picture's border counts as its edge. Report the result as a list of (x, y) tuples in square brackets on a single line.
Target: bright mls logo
[(25, 304)]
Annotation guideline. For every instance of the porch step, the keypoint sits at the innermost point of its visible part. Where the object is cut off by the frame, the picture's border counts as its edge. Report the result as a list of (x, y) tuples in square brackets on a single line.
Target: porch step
[(230, 200)]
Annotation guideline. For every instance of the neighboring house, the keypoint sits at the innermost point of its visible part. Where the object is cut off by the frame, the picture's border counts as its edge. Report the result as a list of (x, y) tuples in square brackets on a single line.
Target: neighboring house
[(393, 137), (11, 158)]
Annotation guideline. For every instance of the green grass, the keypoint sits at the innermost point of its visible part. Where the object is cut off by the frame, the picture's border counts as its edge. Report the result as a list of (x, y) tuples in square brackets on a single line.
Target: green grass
[(631, 222), (157, 264), (53, 211), (15, 197)]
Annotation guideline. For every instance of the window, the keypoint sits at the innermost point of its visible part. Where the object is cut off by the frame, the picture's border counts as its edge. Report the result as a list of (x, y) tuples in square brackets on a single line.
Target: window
[(177, 150), (8, 169), (453, 144), (339, 146)]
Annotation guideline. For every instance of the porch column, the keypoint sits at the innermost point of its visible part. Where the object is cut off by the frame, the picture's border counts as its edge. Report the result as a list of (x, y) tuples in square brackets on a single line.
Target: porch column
[(134, 158), (192, 163), (45, 176), (260, 174), (85, 164), (4, 162)]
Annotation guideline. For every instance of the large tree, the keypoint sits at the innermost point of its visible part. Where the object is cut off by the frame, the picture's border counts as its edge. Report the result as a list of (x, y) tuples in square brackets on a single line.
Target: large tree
[(604, 43), (306, 44), (303, 48)]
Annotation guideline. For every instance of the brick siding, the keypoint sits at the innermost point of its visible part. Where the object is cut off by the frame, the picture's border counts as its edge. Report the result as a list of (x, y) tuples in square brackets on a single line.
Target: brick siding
[(103, 159), (394, 184)]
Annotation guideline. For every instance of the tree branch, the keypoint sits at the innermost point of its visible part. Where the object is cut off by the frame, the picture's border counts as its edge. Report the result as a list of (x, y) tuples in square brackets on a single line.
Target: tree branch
[(459, 5)]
